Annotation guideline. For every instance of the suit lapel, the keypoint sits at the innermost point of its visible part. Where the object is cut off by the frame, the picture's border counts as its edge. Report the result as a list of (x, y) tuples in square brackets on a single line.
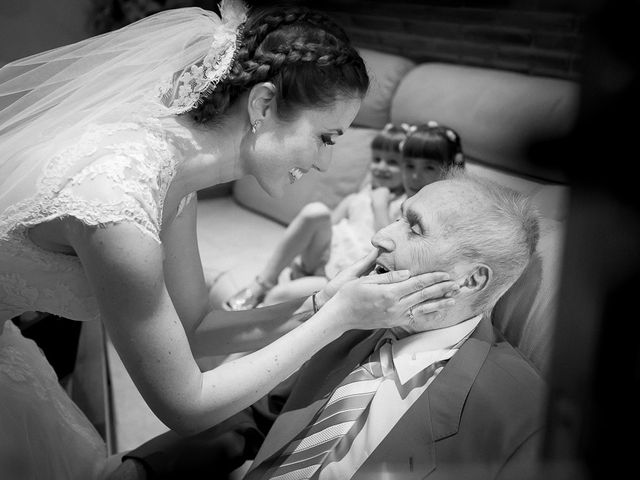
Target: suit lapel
[(448, 393), (320, 375), (313, 386), (408, 451)]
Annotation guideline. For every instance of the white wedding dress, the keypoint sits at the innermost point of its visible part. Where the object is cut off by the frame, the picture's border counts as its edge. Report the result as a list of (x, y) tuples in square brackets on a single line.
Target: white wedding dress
[(88, 131), (113, 173)]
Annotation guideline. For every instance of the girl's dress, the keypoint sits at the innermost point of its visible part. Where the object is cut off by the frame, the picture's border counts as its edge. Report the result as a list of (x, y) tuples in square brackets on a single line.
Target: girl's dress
[(114, 173), (351, 236)]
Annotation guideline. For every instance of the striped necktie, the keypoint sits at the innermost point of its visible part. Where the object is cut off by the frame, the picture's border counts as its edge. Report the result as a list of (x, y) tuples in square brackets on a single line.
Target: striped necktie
[(334, 427)]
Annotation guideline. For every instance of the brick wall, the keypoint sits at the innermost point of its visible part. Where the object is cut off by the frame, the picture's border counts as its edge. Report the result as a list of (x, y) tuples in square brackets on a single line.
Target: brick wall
[(538, 37), (28, 27)]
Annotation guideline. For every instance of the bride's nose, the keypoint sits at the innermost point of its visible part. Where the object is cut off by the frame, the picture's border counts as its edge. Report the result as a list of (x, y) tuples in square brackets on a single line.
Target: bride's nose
[(323, 161)]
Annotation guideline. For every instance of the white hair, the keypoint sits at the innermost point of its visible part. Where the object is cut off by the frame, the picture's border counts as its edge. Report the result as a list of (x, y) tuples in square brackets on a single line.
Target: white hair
[(500, 229)]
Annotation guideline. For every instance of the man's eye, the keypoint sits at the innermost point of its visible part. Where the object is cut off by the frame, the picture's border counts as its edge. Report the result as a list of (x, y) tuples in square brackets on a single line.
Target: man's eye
[(326, 140), (415, 228)]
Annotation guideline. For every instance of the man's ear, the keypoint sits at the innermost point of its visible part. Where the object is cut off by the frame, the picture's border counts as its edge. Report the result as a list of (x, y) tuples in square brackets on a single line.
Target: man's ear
[(261, 101), (477, 279)]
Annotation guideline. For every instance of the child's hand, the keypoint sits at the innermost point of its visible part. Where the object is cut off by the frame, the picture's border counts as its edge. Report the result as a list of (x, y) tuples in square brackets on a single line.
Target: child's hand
[(380, 197)]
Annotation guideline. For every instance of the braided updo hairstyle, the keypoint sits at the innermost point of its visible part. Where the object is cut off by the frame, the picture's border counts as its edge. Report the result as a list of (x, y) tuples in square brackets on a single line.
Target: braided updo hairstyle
[(307, 57)]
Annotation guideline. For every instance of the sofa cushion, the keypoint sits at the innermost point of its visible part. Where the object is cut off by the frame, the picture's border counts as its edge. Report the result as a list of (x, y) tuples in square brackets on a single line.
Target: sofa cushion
[(496, 113), (551, 199), (526, 312), (385, 72), (349, 166)]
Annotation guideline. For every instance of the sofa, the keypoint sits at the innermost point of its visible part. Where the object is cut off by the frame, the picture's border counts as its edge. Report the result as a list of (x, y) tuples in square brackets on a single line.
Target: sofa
[(498, 115)]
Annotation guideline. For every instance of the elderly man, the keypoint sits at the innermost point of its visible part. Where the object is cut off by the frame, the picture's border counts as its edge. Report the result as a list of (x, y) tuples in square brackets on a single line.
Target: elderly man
[(446, 398)]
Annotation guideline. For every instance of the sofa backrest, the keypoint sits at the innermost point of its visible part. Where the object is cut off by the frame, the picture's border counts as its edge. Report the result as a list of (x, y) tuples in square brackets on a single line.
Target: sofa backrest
[(526, 313), (496, 114), (385, 74)]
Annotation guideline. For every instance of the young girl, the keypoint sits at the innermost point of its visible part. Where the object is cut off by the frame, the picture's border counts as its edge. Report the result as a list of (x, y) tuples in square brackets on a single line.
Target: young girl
[(322, 242), (427, 153)]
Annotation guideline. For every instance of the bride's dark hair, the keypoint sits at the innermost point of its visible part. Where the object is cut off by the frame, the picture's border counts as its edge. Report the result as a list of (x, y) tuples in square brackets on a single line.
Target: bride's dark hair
[(307, 56)]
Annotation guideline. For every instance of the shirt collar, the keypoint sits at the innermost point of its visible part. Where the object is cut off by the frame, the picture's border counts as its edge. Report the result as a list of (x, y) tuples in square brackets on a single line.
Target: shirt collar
[(416, 352)]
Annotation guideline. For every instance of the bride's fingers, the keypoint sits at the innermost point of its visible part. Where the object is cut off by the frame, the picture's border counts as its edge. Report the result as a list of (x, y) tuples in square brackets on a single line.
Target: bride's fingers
[(365, 264), (435, 291), (410, 285), (431, 306), (393, 277)]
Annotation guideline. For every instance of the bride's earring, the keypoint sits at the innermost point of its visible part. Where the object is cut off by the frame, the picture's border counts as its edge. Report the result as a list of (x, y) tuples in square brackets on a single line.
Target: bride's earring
[(255, 125)]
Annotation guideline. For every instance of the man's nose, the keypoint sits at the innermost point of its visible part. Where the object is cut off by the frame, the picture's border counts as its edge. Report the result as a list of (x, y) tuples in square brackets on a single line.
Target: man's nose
[(382, 240)]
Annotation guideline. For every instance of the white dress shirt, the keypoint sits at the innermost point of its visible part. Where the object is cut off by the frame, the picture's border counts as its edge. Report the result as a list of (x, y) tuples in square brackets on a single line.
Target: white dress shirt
[(410, 356)]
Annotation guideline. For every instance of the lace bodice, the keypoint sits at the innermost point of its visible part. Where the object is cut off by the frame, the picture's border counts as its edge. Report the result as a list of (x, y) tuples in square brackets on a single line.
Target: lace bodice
[(113, 173)]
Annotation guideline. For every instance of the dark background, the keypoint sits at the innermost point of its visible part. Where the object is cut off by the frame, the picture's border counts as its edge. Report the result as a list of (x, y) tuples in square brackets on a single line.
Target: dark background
[(593, 407), (528, 36)]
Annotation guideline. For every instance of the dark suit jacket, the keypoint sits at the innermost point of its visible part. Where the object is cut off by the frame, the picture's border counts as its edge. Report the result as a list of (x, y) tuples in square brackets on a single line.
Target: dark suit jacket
[(480, 418)]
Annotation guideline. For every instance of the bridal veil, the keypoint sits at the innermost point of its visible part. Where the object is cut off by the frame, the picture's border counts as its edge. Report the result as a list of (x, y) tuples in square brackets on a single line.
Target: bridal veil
[(157, 66)]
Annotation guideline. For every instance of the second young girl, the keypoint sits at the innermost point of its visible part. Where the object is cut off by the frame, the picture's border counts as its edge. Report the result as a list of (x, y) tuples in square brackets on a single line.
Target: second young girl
[(320, 242), (428, 152)]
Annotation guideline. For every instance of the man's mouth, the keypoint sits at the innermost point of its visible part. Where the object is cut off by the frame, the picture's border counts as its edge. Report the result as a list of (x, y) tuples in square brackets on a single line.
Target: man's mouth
[(380, 269)]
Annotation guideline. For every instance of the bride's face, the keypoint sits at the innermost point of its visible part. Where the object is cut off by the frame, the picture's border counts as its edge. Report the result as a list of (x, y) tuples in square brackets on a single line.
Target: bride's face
[(283, 151)]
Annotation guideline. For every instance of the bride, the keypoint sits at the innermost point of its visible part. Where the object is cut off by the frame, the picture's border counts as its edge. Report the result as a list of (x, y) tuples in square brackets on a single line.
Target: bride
[(103, 145)]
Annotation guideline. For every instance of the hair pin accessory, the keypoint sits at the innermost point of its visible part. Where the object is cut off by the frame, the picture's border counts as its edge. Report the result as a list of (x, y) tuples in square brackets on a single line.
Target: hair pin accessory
[(202, 77)]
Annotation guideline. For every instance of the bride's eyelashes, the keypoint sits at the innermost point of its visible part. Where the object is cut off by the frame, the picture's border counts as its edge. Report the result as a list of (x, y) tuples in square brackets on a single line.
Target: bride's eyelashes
[(326, 140)]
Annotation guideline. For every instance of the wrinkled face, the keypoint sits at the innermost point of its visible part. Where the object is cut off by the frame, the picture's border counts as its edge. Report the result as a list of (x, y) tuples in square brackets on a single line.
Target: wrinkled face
[(423, 238), (416, 241), (420, 242), (418, 172), (282, 151), (385, 169)]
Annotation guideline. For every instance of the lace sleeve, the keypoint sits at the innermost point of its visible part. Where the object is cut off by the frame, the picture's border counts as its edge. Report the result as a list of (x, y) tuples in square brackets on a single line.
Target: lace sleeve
[(123, 181)]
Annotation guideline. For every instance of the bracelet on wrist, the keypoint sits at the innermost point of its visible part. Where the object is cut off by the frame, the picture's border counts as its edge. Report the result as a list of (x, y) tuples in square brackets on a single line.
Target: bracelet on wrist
[(316, 307)]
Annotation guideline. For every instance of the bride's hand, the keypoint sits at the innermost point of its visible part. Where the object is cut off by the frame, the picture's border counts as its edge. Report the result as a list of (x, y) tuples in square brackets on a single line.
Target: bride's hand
[(357, 270), (392, 299)]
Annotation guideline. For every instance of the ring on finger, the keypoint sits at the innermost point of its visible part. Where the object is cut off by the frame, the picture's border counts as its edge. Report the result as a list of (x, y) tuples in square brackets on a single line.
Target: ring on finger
[(411, 317)]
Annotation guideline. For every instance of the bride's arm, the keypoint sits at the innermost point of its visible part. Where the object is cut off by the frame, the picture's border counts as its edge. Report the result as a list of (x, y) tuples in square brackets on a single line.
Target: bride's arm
[(183, 272), (223, 332), (213, 332), (124, 267)]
